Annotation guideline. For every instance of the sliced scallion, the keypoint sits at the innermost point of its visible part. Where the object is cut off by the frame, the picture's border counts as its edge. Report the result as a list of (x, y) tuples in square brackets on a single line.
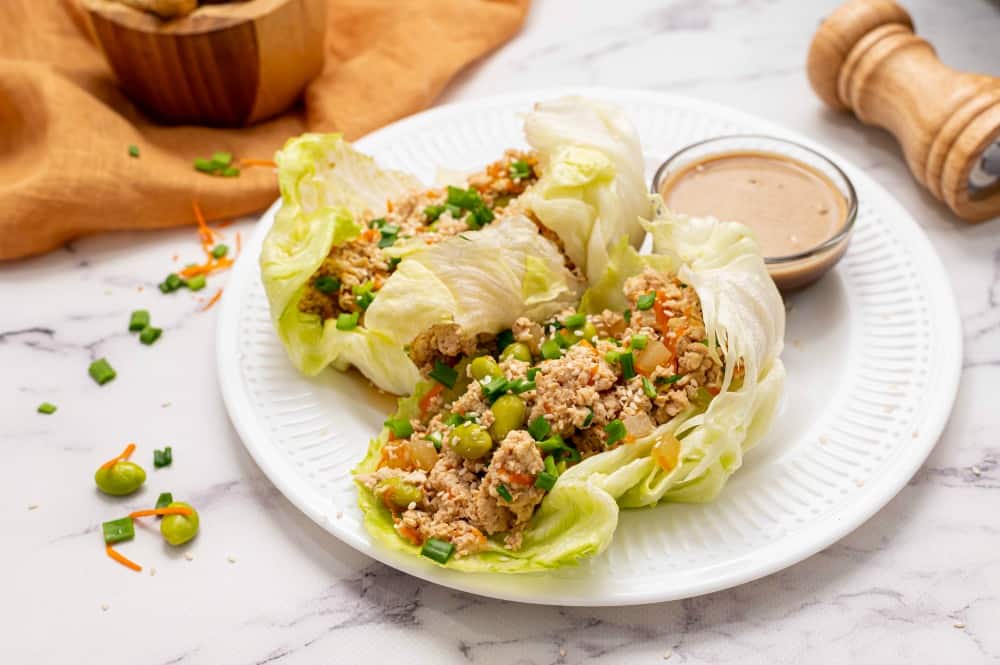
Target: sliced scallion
[(162, 458), (504, 493), (639, 341), (326, 284), (437, 550), (574, 320), (627, 362), (101, 371), (648, 388), (118, 530), (164, 500), (347, 321), (546, 480), (539, 428), (149, 335), (615, 430), (400, 427), (47, 408), (443, 374), (645, 301), (138, 320)]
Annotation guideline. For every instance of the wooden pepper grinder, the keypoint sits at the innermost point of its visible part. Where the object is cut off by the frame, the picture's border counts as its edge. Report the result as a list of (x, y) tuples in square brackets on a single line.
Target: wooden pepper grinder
[(866, 58)]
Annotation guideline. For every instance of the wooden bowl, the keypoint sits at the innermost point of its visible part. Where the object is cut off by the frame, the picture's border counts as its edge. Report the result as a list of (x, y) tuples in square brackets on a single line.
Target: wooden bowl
[(226, 64)]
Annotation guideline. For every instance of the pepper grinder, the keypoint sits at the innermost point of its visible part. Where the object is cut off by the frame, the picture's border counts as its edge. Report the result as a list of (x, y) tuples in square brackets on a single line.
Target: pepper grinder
[(866, 58)]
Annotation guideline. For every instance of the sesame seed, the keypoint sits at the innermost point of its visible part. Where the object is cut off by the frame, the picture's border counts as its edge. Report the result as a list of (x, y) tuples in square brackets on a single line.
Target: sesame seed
[(976, 470), (32, 506), (959, 625), (667, 654), (823, 439), (189, 556), (339, 514), (104, 607), (859, 483), (231, 559), (562, 653), (165, 405), (152, 571)]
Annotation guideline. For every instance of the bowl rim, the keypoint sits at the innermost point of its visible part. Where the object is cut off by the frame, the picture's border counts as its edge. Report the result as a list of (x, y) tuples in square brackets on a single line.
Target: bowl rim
[(851, 194)]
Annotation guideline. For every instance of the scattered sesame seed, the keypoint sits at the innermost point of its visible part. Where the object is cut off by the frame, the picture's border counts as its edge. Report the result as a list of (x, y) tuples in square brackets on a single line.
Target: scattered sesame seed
[(859, 483), (231, 559), (916, 434), (976, 470), (104, 607), (165, 405), (667, 654), (152, 571), (959, 625), (823, 439), (32, 506), (189, 556), (562, 653), (797, 343), (888, 408), (339, 514)]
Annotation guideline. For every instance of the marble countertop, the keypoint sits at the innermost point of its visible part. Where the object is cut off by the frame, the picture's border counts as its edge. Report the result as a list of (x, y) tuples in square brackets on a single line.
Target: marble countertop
[(918, 583)]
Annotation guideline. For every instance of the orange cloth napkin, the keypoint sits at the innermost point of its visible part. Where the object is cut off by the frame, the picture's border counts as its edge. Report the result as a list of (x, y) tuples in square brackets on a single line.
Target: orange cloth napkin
[(65, 127)]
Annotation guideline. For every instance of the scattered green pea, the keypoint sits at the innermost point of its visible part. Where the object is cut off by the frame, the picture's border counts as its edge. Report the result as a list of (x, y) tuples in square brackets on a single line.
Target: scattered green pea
[(179, 529), (471, 441), (121, 478), (397, 493), (483, 367), (509, 413), (517, 350)]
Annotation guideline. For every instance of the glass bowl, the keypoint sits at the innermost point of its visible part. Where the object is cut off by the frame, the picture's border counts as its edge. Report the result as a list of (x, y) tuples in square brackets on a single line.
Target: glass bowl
[(789, 271)]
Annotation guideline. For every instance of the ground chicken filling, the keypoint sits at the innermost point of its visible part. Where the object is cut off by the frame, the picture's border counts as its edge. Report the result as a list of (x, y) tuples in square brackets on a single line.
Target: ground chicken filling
[(505, 416), (350, 277)]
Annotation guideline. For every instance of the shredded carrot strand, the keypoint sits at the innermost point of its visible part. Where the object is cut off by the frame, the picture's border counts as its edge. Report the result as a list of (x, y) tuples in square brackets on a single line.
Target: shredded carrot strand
[(520, 478), (239, 243), (247, 163), (207, 268), (125, 454), (211, 303), (222, 225), (176, 510), (128, 563), (207, 234), (425, 401)]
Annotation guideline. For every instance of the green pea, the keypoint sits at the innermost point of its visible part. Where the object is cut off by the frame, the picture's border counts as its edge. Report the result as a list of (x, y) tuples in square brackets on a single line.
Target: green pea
[(178, 529), (589, 331), (471, 441), (484, 366), (517, 350), (508, 414), (120, 478), (397, 493)]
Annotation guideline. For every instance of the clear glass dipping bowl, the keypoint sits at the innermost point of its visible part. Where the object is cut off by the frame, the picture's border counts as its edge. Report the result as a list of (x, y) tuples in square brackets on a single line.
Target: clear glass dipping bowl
[(791, 271)]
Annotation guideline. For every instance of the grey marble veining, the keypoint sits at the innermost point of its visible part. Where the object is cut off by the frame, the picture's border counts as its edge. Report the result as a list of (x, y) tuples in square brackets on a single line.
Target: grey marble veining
[(918, 583)]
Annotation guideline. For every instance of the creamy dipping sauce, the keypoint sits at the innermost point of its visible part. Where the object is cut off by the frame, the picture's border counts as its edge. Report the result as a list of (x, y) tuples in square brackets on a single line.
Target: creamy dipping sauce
[(791, 206)]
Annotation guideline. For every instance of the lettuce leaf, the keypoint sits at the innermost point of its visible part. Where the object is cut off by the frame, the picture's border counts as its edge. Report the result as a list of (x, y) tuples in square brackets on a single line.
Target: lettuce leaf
[(326, 186), (743, 314), (576, 520), (482, 281), (592, 191)]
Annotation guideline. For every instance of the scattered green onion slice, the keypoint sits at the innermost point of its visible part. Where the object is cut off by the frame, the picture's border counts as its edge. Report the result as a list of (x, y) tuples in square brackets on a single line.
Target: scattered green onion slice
[(133, 150), (437, 550), (363, 295), (532, 373), (550, 465), (519, 170), (615, 430), (454, 419), (519, 386), (589, 419), (326, 284), (204, 165), (377, 223), (611, 357), (221, 159), (443, 374), (495, 388), (436, 439), (196, 283), (230, 172), (670, 379), (171, 283), (347, 321), (432, 213), (118, 530), (164, 500), (575, 320), (645, 301), (101, 371), (150, 334), (400, 427), (220, 250), (504, 493), (539, 428), (627, 362), (546, 480), (551, 349), (628, 316), (48, 408), (390, 234), (138, 320), (162, 458), (504, 339), (648, 388), (639, 341)]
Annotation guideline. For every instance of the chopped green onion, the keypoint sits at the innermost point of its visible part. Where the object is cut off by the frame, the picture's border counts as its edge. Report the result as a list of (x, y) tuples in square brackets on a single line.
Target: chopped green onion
[(133, 150), (551, 349), (393, 262), (454, 211), (101, 371), (220, 250), (431, 213), (495, 388), (611, 357), (171, 283), (481, 216), (204, 165), (670, 379), (550, 465), (546, 480), (363, 295), (532, 373), (628, 316), (326, 284), (575, 320), (389, 235), (347, 321), (436, 439), (504, 493), (437, 550), (454, 419), (48, 408), (519, 386), (230, 172), (164, 500), (138, 320), (519, 170), (221, 159), (627, 362), (639, 341), (162, 458), (149, 335), (116, 531), (467, 199), (616, 431), (443, 374), (589, 419), (400, 427), (196, 283), (504, 339), (645, 301), (648, 388), (377, 223), (539, 428)]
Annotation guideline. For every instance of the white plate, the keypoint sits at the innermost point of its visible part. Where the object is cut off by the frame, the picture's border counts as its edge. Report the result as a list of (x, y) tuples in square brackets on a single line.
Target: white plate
[(873, 355)]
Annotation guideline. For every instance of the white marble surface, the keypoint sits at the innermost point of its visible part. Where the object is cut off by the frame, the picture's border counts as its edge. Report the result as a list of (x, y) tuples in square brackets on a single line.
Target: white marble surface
[(918, 583)]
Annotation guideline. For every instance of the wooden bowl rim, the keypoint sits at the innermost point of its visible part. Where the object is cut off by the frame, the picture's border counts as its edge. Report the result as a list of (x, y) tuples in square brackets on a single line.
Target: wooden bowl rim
[(205, 19)]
